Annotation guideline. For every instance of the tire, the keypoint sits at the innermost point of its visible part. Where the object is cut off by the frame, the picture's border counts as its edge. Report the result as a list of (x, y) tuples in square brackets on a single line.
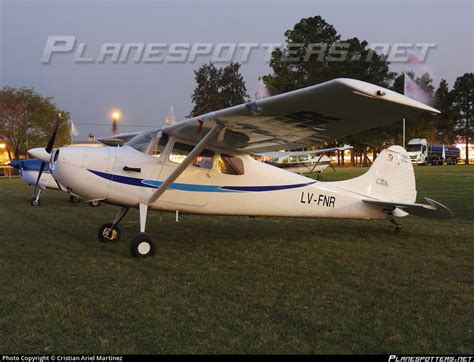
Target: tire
[(141, 246), (104, 229), (94, 203), (35, 202), (74, 199)]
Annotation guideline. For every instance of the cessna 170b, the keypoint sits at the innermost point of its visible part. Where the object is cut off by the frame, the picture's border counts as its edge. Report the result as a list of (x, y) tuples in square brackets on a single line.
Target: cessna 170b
[(203, 165)]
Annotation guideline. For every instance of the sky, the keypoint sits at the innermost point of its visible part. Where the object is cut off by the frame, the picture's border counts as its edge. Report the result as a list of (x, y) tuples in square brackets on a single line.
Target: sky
[(144, 92)]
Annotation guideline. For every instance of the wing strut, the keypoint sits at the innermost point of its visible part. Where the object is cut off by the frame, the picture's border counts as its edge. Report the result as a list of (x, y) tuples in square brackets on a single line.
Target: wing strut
[(186, 162)]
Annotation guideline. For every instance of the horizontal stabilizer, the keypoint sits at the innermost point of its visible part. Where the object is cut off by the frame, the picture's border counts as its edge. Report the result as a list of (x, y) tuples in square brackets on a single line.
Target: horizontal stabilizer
[(433, 209)]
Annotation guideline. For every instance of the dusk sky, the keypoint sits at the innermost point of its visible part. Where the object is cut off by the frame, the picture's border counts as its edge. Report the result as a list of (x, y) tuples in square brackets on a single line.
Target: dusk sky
[(144, 92)]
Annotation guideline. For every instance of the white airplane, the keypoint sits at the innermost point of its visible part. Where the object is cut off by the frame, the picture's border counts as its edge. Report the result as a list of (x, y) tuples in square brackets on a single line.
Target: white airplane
[(203, 165), (302, 161)]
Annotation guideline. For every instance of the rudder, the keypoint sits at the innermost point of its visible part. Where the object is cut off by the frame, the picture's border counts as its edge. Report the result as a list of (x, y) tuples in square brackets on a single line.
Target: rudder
[(390, 178)]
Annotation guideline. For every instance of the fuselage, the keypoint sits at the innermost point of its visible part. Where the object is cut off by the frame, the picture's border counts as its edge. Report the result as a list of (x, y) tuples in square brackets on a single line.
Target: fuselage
[(126, 176)]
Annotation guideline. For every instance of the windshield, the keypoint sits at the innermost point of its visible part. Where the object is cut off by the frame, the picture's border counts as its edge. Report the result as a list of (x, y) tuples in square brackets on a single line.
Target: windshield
[(413, 148), (143, 141)]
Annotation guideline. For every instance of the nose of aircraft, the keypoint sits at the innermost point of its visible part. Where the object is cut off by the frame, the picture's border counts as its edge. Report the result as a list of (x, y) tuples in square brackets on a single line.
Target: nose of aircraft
[(16, 164), (71, 168), (40, 154)]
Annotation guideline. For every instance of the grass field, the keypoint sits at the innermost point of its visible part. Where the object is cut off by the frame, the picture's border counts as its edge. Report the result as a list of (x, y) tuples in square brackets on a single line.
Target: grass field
[(238, 285)]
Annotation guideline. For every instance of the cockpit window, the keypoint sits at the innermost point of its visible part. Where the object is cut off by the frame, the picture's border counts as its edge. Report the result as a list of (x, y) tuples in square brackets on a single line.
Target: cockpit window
[(152, 142), (230, 165), (181, 150)]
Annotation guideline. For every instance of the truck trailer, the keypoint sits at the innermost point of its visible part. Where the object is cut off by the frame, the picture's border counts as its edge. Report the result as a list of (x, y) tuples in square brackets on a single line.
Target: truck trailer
[(423, 153)]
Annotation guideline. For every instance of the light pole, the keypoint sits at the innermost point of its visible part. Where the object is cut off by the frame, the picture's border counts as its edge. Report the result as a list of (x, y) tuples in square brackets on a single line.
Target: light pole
[(115, 118)]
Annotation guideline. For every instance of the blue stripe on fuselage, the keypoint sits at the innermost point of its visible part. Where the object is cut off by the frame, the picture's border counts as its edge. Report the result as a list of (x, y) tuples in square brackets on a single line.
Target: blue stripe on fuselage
[(195, 188)]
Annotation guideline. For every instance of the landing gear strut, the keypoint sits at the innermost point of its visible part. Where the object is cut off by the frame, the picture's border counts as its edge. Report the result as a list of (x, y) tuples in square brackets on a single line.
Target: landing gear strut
[(398, 227)]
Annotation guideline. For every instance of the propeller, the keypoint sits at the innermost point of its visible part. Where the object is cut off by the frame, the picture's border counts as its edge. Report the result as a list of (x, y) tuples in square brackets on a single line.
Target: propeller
[(48, 149)]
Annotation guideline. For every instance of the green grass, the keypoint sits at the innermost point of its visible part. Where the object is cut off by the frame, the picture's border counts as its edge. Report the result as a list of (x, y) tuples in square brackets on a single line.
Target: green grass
[(238, 285)]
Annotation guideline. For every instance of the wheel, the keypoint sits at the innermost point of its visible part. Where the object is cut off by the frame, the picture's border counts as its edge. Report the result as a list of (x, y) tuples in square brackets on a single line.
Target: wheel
[(107, 234), (141, 246), (94, 203), (74, 199), (35, 202)]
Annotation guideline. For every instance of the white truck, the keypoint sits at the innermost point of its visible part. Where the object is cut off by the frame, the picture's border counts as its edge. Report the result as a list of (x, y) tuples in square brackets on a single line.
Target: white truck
[(422, 153)]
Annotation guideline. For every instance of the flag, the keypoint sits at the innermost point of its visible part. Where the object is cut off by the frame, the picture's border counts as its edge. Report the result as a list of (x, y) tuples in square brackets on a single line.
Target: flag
[(74, 131), (414, 90), (414, 64), (170, 117), (262, 90)]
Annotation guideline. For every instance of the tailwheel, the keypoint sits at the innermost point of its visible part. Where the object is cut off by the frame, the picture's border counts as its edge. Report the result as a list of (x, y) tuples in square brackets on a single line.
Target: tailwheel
[(35, 201), (108, 233), (141, 246)]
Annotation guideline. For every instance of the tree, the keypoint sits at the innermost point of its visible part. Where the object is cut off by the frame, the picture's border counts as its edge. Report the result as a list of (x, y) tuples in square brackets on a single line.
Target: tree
[(314, 53), (26, 120), (218, 88), (462, 105), (423, 124), (444, 123), (290, 75)]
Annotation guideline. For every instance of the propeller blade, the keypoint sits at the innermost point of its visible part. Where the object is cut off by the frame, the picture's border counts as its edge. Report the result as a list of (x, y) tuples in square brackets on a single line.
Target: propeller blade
[(52, 138), (43, 164), (48, 149), (333, 168)]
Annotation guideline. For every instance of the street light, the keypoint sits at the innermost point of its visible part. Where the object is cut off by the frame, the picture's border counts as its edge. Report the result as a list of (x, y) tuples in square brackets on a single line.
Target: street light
[(115, 118)]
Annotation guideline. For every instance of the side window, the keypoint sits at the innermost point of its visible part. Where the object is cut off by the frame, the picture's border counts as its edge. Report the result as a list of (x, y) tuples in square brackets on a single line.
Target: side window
[(181, 150), (230, 165)]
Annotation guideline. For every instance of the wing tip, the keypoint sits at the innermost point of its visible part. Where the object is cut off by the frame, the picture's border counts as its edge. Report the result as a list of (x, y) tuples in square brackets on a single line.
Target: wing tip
[(379, 92)]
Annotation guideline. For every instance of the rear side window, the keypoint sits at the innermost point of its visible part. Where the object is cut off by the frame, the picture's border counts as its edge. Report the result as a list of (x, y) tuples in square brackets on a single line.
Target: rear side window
[(230, 165), (181, 150)]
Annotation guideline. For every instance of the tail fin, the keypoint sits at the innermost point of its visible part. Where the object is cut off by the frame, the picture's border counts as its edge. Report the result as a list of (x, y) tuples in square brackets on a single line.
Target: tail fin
[(390, 178)]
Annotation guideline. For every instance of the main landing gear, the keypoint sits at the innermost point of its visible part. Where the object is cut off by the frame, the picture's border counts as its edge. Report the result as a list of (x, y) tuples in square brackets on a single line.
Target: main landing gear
[(141, 246), (74, 199)]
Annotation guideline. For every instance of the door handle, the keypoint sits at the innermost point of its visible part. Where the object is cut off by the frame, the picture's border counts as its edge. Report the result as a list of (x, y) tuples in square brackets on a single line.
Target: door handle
[(132, 169)]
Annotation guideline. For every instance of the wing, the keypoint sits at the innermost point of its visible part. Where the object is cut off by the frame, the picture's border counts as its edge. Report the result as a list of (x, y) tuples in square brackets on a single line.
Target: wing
[(301, 118), (433, 209), (118, 140)]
